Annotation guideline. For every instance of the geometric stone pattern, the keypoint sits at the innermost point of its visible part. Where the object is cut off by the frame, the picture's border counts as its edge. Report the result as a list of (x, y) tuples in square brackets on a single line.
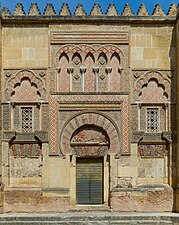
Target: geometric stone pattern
[(152, 150), (55, 99), (153, 118), (26, 122), (45, 117)]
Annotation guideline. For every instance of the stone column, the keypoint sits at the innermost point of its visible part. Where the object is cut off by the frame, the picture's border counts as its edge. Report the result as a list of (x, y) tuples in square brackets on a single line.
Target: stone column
[(70, 71), (58, 69), (83, 71), (96, 71), (108, 71)]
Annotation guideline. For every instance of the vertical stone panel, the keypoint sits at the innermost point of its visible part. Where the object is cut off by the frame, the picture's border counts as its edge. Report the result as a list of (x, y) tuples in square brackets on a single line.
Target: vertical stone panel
[(16, 118), (143, 119), (6, 117), (45, 117), (115, 75), (63, 77), (162, 119), (36, 118), (89, 85)]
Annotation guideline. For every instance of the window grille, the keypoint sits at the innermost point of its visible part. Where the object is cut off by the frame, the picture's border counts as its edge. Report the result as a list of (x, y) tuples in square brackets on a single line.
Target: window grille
[(27, 119), (152, 119)]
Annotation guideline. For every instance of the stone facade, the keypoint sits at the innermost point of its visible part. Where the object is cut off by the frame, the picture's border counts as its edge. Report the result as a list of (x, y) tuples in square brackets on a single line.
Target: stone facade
[(97, 92)]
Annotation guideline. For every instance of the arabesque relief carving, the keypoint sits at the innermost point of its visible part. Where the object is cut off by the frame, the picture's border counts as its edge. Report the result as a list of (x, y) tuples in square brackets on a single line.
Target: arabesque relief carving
[(90, 141)]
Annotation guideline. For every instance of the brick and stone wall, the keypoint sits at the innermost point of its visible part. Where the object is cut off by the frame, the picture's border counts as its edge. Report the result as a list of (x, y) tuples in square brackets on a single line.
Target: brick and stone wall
[(73, 88)]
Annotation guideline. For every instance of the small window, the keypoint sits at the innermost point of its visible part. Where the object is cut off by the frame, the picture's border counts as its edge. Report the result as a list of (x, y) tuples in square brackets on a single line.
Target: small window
[(152, 120), (26, 119)]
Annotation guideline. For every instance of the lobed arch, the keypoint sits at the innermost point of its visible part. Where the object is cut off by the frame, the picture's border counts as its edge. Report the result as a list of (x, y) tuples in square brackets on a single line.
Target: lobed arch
[(64, 54), (19, 78), (94, 49), (153, 75), (90, 118)]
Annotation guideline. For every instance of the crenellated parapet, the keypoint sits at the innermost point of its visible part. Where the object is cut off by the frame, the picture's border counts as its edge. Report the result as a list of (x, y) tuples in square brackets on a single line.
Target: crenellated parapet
[(96, 11)]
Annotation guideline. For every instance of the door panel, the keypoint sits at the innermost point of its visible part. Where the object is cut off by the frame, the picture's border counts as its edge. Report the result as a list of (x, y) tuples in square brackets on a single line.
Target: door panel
[(89, 181)]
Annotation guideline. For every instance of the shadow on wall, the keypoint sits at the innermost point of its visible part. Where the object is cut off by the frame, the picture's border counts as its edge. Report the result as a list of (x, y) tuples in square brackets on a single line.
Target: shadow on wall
[(172, 167)]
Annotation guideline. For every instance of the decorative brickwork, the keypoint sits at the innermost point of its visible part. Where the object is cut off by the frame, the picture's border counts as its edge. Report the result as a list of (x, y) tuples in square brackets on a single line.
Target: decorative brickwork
[(78, 121)]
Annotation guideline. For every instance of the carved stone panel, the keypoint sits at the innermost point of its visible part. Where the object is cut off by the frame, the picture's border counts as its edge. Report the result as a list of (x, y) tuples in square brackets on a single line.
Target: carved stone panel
[(45, 117), (25, 150), (143, 119), (152, 150), (134, 117), (90, 141), (6, 117), (16, 119), (90, 151)]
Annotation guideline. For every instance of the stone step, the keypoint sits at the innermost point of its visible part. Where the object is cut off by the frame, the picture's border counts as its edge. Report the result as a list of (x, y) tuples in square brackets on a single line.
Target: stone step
[(103, 218), (100, 222)]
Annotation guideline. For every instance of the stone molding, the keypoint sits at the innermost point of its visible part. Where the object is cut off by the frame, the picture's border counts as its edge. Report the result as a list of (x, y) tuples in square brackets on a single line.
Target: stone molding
[(22, 137), (64, 37)]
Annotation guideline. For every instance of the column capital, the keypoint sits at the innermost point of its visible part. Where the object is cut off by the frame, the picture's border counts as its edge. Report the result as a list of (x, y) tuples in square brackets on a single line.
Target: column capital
[(108, 69), (83, 69), (58, 69), (96, 69), (70, 70)]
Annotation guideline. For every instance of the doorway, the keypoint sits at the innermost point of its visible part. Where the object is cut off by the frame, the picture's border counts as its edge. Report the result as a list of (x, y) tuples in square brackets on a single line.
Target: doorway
[(89, 181)]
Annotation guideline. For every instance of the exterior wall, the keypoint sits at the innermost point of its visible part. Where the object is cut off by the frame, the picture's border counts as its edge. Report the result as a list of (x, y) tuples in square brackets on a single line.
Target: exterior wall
[(28, 48), (176, 192), (153, 47), (87, 90)]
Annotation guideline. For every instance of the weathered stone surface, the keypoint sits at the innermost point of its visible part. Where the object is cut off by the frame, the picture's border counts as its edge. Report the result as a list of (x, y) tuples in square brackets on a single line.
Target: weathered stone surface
[(154, 199), (142, 11), (96, 10), (33, 201), (49, 9), (79, 11), (111, 11), (19, 10), (34, 10), (65, 11)]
